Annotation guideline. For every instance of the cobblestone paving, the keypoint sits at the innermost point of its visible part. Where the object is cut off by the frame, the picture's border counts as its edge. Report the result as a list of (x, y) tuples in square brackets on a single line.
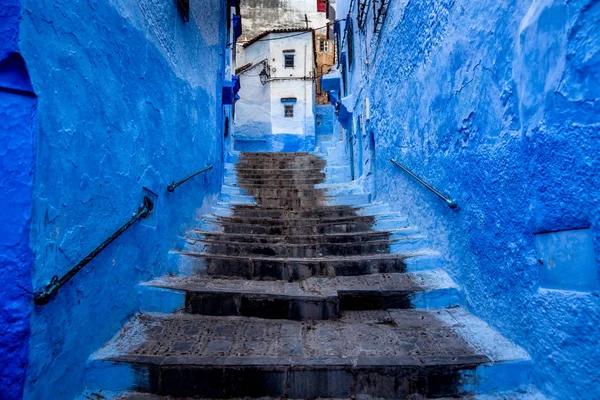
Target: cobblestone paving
[(409, 337), (313, 286)]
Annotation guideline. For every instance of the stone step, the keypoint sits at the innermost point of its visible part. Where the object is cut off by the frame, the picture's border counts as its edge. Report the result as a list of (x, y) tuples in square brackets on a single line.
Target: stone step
[(311, 299), (293, 220), (243, 171), (103, 395), (232, 180), (271, 190), (353, 237), (317, 249), (295, 250), (288, 178), (293, 229), (291, 192), (385, 353), (282, 217), (243, 165), (227, 210), (290, 230), (348, 199), (235, 187), (527, 393), (294, 269)]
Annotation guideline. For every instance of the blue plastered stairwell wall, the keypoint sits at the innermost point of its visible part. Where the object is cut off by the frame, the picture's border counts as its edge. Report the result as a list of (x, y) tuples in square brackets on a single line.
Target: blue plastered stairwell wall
[(17, 130), (498, 105), (128, 97)]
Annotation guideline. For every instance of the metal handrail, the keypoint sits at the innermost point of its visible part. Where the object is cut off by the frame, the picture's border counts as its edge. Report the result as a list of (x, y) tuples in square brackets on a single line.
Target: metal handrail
[(171, 188), (450, 202), (42, 297)]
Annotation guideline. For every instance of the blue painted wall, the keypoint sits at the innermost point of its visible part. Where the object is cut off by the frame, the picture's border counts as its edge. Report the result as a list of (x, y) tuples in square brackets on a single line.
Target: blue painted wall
[(17, 150), (497, 104), (324, 123), (128, 97)]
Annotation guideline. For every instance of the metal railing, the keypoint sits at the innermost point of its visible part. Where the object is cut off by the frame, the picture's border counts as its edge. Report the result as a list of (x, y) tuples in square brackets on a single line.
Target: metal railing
[(450, 202), (42, 297), (171, 188)]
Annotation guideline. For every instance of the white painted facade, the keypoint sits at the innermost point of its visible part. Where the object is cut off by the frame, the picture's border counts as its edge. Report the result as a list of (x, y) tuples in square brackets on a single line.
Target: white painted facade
[(266, 15), (260, 110)]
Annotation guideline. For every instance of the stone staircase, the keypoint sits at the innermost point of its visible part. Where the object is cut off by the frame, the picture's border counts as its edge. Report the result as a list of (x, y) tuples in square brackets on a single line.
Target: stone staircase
[(295, 287)]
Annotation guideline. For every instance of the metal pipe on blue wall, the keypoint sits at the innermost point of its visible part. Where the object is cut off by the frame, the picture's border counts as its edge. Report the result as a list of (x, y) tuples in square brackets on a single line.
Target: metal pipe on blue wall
[(171, 188), (42, 297), (451, 202)]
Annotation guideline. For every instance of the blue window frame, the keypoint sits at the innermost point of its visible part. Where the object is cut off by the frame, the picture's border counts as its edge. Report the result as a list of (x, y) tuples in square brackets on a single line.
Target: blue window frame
[(289, 60)]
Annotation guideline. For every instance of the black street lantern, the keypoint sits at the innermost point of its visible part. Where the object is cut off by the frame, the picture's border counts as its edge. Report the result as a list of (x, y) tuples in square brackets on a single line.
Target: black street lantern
[(264, 76)]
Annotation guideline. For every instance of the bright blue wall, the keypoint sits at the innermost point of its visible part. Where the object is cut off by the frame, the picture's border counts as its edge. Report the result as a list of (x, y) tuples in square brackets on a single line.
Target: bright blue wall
[(324, 123), (497, 104), (17, 127), (128, 96)]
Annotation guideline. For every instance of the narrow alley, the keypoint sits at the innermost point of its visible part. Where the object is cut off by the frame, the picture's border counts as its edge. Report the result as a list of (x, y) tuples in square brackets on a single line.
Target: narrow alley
[(300, 199)]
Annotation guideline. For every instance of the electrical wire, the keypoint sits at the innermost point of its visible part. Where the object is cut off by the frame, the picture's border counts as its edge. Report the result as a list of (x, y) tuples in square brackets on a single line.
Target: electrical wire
[(295, 34)]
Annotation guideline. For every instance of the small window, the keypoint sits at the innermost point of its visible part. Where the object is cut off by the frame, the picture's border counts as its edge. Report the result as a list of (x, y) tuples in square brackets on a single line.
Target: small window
[(321, 5), (289, 110), (350, 33), (289, 61), (324, 46)]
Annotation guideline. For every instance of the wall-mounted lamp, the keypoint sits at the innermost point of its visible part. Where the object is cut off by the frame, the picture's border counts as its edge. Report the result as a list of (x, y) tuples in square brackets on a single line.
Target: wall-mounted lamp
[(264, 76)]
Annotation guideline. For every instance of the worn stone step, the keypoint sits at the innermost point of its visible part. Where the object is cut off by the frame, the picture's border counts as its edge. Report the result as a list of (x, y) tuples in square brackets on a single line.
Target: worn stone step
[(299, 203), (103, 395), (294, 220), (274, 171), (309, 229), (278, 184), (300, 229), (233, 180), (284, 203), (302, 164), (296, 250), (287, 192), (388, 354), (319, 212), (288, 230), (319, 215), (293, 269), (316, 249), (313, 298), (300, 239)]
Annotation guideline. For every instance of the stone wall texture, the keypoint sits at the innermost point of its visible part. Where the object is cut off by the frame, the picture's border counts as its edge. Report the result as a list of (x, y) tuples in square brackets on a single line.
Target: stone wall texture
[(498, 105)]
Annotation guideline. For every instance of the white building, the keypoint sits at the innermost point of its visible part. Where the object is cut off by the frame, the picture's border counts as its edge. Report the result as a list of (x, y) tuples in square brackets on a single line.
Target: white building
[(267, 15), (277, 97)]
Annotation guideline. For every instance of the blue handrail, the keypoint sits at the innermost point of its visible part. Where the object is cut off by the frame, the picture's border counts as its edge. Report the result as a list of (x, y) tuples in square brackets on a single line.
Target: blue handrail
[(450, 202), (171, 188), (43, 296)]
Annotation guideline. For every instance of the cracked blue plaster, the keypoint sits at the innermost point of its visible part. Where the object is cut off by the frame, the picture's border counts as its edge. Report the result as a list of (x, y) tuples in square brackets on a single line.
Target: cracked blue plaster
[(495, 103)]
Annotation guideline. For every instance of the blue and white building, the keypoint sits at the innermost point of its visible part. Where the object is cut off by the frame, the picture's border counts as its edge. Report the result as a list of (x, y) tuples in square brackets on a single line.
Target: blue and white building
[(277, 99)]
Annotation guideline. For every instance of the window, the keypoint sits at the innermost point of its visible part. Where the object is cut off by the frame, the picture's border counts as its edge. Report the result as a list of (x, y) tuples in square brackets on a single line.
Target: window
[(321, 5), (350, 35), (380, 8), (362, 13), (289, 110), (184, 9), (324, 46), (289, 60)]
